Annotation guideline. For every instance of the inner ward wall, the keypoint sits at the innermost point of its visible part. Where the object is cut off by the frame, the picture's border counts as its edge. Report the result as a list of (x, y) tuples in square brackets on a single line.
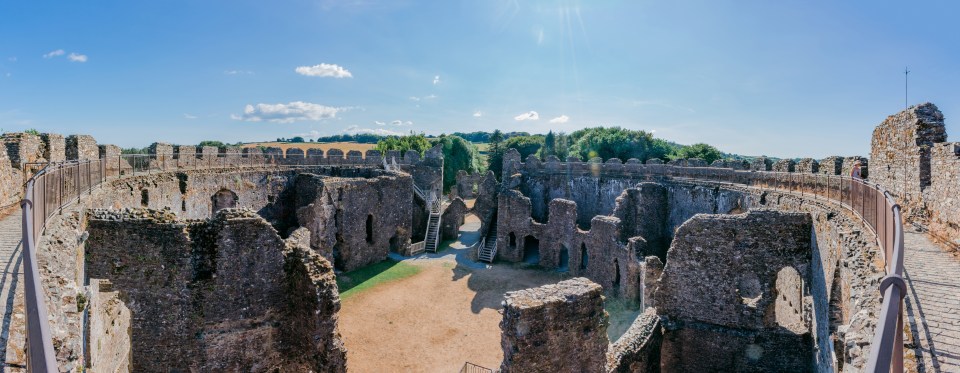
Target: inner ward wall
[(60, 249)]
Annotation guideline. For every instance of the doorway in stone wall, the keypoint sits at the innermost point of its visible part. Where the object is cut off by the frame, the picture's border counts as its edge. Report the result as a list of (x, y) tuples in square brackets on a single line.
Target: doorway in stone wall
[(564, 262), (223, 199), (531, 250)]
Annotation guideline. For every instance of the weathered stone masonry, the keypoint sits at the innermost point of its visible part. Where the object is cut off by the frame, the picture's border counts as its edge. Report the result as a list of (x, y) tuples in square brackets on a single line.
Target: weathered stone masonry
[(912, 160), (224, 294)]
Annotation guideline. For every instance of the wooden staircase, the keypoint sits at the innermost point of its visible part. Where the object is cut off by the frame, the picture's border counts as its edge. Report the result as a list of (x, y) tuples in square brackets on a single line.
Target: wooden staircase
[(487, 250)]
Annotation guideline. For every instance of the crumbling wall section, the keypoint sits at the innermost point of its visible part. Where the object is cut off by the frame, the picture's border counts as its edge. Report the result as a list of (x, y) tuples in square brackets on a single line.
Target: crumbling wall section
[(356, 222), (452, 219), (943, 194), (901, 149), (217, 295), (82, 147), (726, 303), (108, 332), (555, 328), (54, 147)]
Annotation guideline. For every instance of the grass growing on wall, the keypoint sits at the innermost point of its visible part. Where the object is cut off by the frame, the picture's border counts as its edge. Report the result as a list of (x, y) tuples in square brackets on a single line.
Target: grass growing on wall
[(359, 280)]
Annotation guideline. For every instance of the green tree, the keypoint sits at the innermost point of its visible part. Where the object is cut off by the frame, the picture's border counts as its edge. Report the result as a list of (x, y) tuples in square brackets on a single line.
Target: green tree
[(212, 143), (458, 154), (700, 150), (526, 145), (549, 146), (495, 153), (615, 142), (415, 142)]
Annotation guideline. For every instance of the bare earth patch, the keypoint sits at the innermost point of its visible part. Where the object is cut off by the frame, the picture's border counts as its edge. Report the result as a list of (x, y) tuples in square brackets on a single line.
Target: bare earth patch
[(433, 321), (444, 315)]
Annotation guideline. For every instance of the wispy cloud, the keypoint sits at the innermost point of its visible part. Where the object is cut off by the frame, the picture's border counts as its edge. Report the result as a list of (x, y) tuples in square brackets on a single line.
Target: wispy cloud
[(324, 70), (238, 72), (560, 119), (379, 123), (56, 53), (477, 114), (76, 57), (436, 79), (12, 59), (188, 116), (424, 98), (401, 123), (375, 131), (287, 113), (531, 115)]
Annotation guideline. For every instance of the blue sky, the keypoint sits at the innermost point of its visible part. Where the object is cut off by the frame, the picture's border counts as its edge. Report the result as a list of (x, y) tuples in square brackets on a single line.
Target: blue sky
[(780, 78)]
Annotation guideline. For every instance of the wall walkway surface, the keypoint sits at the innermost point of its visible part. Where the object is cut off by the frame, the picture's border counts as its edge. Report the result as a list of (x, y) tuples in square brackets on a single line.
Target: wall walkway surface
[(11, 286), (933, 303)]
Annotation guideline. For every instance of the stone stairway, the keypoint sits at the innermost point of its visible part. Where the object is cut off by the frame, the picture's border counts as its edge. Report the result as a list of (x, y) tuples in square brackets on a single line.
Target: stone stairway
[(487, 249)]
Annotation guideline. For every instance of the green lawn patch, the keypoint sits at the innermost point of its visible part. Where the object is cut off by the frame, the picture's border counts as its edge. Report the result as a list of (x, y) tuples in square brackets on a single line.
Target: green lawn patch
[(359, 280)]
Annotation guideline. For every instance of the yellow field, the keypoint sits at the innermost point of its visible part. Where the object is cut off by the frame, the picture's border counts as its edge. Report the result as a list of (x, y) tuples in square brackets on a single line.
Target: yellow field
[(345, 146)]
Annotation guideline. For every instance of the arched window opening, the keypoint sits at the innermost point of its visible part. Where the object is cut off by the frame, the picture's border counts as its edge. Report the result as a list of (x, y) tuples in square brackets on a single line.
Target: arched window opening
[(583, 256), (513, 241), (223, 199), (531, 250), (369, 228), (616, 273), (564, 259), (144, 198)]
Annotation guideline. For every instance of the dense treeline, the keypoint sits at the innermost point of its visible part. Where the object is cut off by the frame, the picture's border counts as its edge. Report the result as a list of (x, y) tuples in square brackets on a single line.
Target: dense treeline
[(460, 152), (362, 138)]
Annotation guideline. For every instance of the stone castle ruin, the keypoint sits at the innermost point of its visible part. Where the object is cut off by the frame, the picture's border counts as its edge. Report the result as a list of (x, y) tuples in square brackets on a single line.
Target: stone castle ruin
[(225, 259)]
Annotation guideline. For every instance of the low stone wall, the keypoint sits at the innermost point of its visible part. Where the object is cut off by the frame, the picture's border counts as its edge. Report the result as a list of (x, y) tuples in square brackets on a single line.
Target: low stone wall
[(555, 328), (638, 350)]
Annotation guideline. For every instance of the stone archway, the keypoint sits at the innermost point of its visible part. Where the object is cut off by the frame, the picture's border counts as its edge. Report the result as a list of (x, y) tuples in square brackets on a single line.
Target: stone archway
[(223, 199)]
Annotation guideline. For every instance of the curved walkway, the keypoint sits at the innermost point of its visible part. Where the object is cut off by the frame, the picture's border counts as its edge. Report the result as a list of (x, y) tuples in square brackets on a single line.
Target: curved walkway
[(10, 284), (932, 303)]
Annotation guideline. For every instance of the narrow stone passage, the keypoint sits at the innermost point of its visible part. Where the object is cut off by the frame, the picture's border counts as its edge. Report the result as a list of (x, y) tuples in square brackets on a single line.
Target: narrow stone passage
[(932, 303)]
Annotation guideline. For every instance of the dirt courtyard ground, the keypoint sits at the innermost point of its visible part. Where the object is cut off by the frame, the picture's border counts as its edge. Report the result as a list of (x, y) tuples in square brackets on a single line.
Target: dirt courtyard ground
[(443, 316)]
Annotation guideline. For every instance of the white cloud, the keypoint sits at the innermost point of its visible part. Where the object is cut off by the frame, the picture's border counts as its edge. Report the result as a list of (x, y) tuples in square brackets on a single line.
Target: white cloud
[(56, 53), (436, 79), (424, 98), (560, 119), (376, 131), (532, 115), (238, 72), (477, 114), (379, 123), (324, 70), (287, 113), (401, 123), (76, 57), (188, 116)]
